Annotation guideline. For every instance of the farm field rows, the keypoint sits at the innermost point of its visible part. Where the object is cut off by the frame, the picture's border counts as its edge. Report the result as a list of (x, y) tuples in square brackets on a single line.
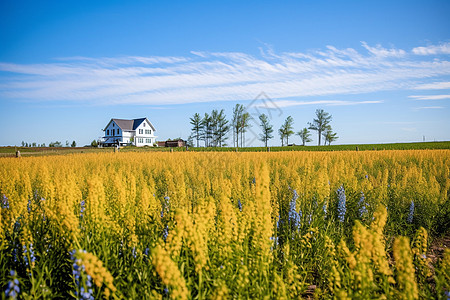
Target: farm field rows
[(217, 225)]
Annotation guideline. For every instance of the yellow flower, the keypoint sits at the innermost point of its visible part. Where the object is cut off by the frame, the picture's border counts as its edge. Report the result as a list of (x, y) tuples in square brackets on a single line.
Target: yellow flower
[(407, 286), (169, 273)]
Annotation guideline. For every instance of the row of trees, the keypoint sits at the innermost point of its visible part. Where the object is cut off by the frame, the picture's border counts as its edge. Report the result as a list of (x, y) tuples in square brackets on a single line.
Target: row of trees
[(212, 129), (321, 124), (52, 144)]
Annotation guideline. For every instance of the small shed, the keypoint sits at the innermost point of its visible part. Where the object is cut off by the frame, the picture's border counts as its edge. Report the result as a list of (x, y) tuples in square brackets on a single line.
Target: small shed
[(176, 143)]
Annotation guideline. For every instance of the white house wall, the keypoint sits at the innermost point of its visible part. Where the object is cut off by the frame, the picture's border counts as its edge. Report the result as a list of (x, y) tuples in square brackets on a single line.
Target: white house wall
[(141, 136)]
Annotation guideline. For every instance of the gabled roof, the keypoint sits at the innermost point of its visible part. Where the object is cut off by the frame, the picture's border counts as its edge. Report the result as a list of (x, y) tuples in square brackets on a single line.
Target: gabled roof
[(129, 125)]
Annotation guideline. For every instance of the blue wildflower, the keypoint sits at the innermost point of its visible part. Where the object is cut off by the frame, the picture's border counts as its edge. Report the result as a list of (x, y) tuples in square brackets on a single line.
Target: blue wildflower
[(12, 289), (82, 208), (5, 203), (146, 251), (239, 205), (341, 204), (324, 208), (78, 271), (362, 205), (411, 212), (165, 233), (294, 216), (32, 256)]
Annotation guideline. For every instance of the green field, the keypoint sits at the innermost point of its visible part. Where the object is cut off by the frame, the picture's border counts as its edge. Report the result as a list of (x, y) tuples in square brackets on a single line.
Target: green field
[(33, 151)]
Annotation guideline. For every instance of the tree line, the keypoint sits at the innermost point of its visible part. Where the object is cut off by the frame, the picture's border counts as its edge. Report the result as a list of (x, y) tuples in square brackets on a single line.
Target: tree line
[(213, 129), (52, 144)]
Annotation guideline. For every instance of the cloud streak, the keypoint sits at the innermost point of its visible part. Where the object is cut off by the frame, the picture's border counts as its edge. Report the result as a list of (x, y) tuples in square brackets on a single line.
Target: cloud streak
[(430, 97), (227, 76)]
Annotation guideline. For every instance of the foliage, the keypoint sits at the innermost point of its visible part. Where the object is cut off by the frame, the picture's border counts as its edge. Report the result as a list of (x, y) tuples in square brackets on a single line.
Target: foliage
[(321, 123), (266, 128), (286, 130), (188, 225), (305, 136)]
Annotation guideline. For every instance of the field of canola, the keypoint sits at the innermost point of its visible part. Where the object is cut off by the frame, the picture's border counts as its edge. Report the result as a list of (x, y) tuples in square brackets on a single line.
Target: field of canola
[(225, 225)]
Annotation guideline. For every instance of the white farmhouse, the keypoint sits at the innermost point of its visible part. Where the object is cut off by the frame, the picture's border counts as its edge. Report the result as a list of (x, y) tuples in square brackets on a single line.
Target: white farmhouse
[(137, 132)]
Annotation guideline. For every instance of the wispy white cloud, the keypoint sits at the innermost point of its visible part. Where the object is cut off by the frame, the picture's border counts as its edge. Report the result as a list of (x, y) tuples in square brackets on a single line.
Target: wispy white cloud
[(434, 86), (432, 49), (290, 103), (430, 97), (428, 107), (379, 51), (224, 76)]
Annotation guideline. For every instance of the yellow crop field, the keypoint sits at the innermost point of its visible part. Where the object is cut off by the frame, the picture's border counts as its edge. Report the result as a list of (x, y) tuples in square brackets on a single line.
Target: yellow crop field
[(280, 225)]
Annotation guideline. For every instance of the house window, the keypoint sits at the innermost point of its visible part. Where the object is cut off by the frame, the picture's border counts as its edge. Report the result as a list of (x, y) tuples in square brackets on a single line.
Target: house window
[(144, 124), (141, 131), (113, 124), (107, 132), (117, 131), (148, 141)]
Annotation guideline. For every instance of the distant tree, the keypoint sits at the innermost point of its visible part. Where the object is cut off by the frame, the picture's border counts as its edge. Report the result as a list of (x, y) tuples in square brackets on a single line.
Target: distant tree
[(286, 130), (74, 144), (329, 136), (43, 145), (305, 136), (207, 129), (197, 125), (236, 123), (94, 143), (67, 143), (34, 144), (245, 124), (23, 144), (221, 128), (26, 144), (190, 141), (321, 123), (266, 128), (55, 144)]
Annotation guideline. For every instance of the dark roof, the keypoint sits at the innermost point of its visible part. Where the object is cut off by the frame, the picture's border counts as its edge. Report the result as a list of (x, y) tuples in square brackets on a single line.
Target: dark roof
[(129, 124), (137, 122)]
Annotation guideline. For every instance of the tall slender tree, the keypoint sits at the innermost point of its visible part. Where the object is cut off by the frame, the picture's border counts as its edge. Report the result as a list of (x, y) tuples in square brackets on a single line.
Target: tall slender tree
[(305, 136), (197, 126), (221, 128), (267, 129), (245, 124), (236, 122), (206, 130), (321, 123), (286, 130)]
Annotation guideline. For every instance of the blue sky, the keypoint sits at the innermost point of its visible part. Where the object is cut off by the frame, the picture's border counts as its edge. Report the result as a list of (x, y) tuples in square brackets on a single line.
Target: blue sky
[(381, 68)]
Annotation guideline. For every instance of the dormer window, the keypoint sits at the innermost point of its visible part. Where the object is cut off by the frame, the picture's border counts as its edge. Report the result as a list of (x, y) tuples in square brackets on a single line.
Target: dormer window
[(144, 124), (113, 124)]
